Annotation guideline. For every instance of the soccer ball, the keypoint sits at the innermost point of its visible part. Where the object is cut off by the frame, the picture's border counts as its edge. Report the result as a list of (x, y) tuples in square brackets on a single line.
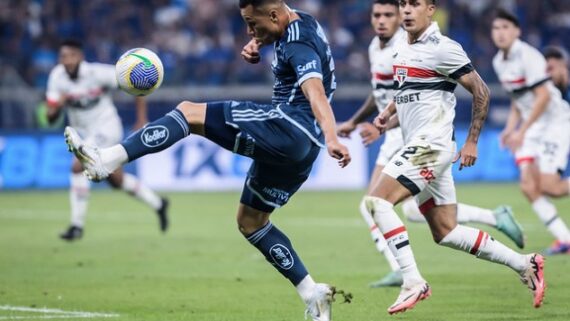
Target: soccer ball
[(139, 71)]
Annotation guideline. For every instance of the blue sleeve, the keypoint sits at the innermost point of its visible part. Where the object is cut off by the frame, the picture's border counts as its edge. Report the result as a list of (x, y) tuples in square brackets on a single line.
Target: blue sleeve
[(304, 60)]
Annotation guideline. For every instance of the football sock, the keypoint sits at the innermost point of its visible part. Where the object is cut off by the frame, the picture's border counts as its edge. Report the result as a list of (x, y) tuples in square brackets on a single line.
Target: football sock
[(278, 251), (472, 214), (377, 237), (483, 246), (78, 198), (157, 136), (137, 189), (547, 213), (305, 288), (396, 236)]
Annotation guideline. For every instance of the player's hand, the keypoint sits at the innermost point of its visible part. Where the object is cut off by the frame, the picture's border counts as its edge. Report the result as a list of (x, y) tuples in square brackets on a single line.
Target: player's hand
[(250, 52), (381, 123), (369, 133), (467, 154), (515, 140), (345, 129), (504, 138), (338, 151)]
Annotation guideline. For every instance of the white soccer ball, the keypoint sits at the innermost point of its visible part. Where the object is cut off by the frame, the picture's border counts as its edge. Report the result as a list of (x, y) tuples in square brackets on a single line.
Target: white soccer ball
[(139, 71)]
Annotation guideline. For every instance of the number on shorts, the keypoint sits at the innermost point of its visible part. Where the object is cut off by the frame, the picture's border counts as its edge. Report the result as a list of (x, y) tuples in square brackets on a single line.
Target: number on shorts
[(411, 150)]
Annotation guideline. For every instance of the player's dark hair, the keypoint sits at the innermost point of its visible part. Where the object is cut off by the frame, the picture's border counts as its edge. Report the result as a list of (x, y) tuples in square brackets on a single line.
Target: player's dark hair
[(555, 52), (506, 15), (392, 2), (256, 3), (73, 43)]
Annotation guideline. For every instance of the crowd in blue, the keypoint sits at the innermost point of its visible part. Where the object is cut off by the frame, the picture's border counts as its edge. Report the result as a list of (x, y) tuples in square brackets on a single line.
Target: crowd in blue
[(199, 40)]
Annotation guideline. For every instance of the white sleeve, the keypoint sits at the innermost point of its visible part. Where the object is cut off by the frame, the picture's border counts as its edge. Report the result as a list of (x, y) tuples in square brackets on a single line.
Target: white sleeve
[(106, 75), (452, 60), (53, 93), (534, 66)]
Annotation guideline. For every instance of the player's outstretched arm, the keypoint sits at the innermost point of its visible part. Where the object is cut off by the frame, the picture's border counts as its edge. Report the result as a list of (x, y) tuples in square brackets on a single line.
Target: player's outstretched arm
[(315, 93), (367, 109), (511, 125), (142, 118), (477, 87), (541, 99)]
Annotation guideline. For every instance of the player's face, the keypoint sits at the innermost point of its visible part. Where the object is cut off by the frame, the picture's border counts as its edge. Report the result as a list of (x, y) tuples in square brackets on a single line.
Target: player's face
[(70, 58), (558, 71), (262, 25), (385, 20), (416, 14), (504, 33)]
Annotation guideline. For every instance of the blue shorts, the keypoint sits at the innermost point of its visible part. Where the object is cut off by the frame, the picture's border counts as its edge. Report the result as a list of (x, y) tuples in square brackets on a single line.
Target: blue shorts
[(283, 154)]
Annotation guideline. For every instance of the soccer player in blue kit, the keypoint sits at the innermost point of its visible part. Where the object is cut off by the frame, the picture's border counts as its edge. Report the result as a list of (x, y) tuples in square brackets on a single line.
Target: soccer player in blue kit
[(283, 138)]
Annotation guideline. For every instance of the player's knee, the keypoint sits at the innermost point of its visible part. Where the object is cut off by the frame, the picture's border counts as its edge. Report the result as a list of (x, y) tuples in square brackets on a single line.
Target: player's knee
[(249, 221), (195, 113)]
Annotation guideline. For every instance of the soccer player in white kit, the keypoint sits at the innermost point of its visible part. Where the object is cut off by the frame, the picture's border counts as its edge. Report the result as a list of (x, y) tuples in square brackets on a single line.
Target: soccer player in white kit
[(83, 89), (427, 68), (386, 22), (537, 130)]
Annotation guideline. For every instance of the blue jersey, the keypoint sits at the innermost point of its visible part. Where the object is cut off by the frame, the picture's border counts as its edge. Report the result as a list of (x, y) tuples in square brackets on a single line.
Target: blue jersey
[(302, 53)]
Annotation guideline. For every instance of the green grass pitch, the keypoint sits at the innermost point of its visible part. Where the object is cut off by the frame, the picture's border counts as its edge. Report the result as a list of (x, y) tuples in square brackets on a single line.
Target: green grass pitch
[(203, 269)]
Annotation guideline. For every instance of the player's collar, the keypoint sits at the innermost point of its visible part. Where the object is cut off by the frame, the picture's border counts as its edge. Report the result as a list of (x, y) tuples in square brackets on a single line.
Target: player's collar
[(515, 47), (433, 28)]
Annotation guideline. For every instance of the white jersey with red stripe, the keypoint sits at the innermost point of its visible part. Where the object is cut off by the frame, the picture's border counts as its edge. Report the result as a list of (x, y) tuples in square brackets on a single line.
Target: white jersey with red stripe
[(522, 70), (426, 73), (87, 98)]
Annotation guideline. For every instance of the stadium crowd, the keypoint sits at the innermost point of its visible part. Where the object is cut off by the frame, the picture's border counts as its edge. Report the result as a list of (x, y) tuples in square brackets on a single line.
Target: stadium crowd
[(199, 40)]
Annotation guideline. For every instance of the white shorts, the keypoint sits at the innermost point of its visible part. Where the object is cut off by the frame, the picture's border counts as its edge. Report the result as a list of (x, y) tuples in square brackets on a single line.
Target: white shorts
[(103, 136), (548, 150), (426, 172), (393, 143)]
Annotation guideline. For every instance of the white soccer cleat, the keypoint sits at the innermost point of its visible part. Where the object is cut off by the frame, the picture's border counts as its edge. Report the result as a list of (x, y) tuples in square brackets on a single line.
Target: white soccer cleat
[(88, 156), (409, 296), (319, 306)]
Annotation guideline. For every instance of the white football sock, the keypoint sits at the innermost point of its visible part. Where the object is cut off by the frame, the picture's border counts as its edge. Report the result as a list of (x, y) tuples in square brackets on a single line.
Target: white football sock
[(135, 187), (377, 237), (305, 288), (472, 214), (114, 157), (78, 198), (396, 236), (412, 211), (480, 244), (547, 213)]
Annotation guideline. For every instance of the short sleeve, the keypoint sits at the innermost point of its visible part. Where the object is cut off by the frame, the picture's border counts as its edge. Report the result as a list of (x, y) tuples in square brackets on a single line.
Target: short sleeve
[(453, 61), (106, 76), (304, 60), (53, 93), (534, 66)]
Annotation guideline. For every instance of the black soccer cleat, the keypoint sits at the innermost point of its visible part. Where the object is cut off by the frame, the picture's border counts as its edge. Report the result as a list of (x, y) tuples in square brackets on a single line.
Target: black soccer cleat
[(72, 233), (162, 213)]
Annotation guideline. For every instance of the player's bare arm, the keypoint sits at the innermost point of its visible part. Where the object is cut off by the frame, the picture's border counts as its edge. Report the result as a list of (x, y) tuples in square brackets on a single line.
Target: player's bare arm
[(55, 108), (481, 96), (367, 109), (511, 125), (542, 97), (315, 93), (382, 121), (141, 107)]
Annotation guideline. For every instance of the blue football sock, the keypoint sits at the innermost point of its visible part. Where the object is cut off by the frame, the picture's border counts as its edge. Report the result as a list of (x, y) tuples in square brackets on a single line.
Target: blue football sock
[(158, 135), (278, 250)]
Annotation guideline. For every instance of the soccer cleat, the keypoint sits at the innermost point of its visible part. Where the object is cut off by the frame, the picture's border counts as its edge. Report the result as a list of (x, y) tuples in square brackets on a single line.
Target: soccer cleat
[(72, 233), (507, 224), (162, 213), (393, 278), (319, 306), (410, 296), (558, 248), (533, 277), (88, 156)]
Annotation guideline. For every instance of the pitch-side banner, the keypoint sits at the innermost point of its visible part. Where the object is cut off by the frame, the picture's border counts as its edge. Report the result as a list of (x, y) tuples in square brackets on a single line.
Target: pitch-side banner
[(198, 164)]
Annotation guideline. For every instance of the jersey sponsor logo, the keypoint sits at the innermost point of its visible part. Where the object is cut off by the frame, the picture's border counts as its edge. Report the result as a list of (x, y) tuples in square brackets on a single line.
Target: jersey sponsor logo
[(400, 75), (404, 99), (308, 66), (427, 174), (281, 256), (154, 136)]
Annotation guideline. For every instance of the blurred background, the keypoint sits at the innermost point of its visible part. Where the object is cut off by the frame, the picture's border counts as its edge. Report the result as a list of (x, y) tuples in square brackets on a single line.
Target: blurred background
[(199, 43)]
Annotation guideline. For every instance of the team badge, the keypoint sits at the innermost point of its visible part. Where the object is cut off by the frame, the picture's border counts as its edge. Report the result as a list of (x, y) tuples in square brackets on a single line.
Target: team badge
[(400, 76)]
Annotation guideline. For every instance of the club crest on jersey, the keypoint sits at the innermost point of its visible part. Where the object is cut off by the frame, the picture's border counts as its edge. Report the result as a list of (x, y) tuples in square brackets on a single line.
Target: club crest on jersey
[(400, 75), (281, 256), (154, 136)]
